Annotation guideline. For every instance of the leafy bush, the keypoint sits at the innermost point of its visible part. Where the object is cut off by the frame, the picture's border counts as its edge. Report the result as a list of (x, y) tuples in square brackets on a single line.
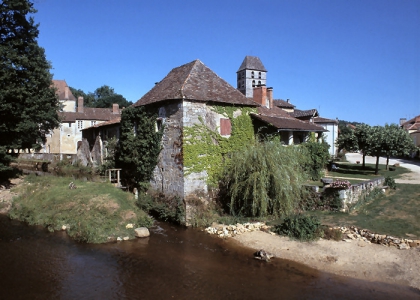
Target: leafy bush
[(332, 234), (318, 158), (301, 227), (164, 208), (263, 179), (328, 200), (389, 181)]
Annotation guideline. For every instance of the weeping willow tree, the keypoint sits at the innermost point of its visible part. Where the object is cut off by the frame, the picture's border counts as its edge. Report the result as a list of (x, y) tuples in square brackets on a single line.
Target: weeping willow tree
[(265, 178)]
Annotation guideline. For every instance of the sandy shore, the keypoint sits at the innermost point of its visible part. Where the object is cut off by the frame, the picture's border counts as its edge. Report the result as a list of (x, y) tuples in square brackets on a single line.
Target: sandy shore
[(356, 259)]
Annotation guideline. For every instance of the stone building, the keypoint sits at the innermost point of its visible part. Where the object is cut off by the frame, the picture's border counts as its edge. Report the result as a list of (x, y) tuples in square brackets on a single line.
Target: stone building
[(250, 74), (74, 117), (193, 95)]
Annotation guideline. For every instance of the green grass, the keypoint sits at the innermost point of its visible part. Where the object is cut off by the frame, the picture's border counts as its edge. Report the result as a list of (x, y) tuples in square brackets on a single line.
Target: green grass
[(395, 214), (349, 170), (95, 212)]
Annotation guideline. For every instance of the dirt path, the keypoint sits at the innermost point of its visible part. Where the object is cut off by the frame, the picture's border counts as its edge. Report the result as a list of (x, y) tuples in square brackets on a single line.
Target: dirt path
[(411, 178), (356, 259)]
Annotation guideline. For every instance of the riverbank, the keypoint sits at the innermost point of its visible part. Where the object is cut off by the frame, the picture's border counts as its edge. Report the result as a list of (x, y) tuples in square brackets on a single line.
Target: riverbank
[(356, 259)]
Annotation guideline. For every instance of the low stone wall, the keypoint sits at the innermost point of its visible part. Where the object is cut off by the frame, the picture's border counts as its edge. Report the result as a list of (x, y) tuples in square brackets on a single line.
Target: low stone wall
[(358, 192)]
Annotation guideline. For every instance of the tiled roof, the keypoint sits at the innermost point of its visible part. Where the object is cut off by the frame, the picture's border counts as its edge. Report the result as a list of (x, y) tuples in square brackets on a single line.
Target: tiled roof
[(325, 120), (287, 124), (297, 113), (194, 81), (89, 113), (111, 122), (412, 124), (282, 103), (60, 85), (252, 63), (283, 121)]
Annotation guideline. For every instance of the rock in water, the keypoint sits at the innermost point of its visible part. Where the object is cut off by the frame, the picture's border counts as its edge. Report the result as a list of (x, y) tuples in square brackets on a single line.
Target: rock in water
[(142, 232), (263, 255)]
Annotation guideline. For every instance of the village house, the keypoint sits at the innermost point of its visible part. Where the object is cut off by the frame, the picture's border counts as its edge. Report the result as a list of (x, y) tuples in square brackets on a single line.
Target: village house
[(413, 128), (64, 141), (191, 95)]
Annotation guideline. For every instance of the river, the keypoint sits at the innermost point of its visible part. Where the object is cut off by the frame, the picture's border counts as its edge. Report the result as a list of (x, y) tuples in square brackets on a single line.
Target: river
[(173, 263)]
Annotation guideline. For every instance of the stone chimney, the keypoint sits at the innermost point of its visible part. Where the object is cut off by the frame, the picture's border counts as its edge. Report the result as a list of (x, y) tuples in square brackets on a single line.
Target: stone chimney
[(260, 95), (66, 93), (403, 120), (80, 108), (270, 97), (115, 108)]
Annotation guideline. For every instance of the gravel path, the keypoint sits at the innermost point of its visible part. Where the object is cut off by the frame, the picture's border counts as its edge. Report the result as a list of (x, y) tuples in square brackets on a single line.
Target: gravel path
[(410, 178)]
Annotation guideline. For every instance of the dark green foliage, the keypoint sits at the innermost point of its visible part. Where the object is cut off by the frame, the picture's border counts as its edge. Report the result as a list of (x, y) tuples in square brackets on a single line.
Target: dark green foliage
[(318, 158), (264, 179), (301, 227), (166, 209), (328, 200), (109, 160), (390, 182), (28, 104), (332, 234), (139, 146), (103, 97)]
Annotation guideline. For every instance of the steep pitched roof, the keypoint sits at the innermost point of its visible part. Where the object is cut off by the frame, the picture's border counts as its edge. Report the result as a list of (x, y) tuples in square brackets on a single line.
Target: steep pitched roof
[(283, 104), (194, 81), (89, 113), (61, 85), (252, 63), (412, 124), (297, 113), (283, 121)]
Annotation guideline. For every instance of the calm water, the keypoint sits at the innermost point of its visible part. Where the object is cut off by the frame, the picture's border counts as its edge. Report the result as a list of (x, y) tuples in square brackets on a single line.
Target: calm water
[(173, 263)]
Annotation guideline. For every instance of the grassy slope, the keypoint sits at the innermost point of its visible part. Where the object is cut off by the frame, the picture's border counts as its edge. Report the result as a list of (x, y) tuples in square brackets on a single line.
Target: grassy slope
[(356, 171), (395, 214), (95, 212)]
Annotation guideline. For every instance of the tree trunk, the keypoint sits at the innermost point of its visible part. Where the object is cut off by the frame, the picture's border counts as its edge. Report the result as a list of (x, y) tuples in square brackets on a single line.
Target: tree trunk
[(364, 155), (387, 162), (377, 165)]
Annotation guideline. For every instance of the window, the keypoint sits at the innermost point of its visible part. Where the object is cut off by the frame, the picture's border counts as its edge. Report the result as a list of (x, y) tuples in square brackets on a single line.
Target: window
[(225, 126), (252, 74), (259, 75), (69, 124), (159, 123), (79, 124), (92, 123), (259, 82), (253, 83)]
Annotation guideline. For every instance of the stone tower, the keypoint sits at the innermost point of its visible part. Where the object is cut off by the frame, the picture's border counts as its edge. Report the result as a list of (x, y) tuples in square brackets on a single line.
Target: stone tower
[(251, 73)]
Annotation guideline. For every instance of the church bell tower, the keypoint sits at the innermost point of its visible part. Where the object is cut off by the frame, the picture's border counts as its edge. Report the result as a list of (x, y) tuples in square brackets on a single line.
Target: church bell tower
[(251, 73)]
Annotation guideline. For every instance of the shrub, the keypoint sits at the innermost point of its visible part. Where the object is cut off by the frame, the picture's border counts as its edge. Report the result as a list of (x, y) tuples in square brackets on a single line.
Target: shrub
[(389, 181), (318, 158), (301, 227), (332, 234), (263, 179), (164, 208), (327, 200)]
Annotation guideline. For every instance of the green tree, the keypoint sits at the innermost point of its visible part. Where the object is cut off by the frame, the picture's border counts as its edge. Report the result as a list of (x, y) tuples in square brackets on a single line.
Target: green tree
[(264, 178), (347, 140), (318, 157), (103, 97), (28, 104), (139, 146), (363, 133)]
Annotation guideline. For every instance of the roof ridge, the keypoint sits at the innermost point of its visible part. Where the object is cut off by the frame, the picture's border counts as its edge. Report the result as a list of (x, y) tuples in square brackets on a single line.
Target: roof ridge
[(188, 77)]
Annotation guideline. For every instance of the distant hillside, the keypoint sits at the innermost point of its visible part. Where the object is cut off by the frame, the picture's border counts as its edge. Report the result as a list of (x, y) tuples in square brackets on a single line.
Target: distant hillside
[(342, 125)]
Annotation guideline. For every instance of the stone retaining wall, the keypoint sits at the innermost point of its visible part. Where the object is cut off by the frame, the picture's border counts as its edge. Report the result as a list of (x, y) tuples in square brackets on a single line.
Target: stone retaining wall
[(358, 192)]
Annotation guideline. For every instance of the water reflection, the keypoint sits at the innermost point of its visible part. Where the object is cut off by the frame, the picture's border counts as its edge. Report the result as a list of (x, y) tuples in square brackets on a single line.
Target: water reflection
[(172, 263)]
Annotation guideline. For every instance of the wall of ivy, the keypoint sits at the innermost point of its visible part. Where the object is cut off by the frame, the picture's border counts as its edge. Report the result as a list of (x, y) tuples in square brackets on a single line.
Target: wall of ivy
[(204, 149)]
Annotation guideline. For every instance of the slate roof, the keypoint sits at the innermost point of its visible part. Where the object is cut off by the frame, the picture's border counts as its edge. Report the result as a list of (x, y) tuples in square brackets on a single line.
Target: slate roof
[(282, 103), (297, 113), (252, 63), (89, 113), (60, 85), (325, 120), (194, 81), (283, 121)]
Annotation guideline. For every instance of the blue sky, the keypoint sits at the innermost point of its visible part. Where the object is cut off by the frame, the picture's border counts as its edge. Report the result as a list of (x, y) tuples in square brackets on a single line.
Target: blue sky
[(357, 60)]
